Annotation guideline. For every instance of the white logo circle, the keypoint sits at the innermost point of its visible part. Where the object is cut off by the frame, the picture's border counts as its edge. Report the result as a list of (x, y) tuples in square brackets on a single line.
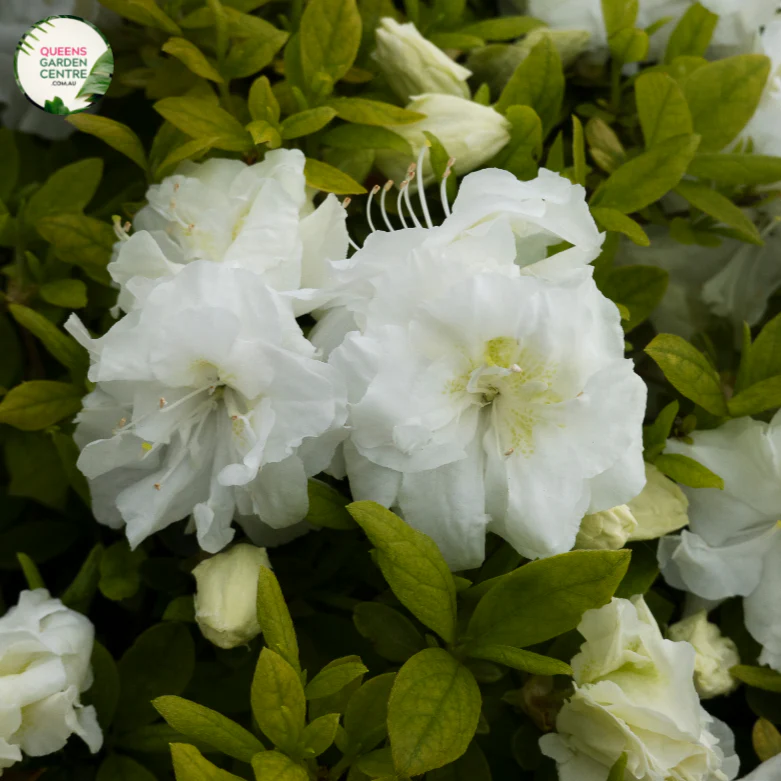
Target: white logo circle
[(63, 64)]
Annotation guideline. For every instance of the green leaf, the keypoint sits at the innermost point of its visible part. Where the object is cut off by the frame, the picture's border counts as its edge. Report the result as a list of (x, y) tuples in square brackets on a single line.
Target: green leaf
[(120, 577), (330, 35), (264, 132), (333, 679), (193, 58), (61, 346), (376, 764), (78, 596), (520, 156), (30, 571), (413, 567), (117, 767), (629, 45), (262, 101), (758, 677), (604, 145), (764, 356), (207, 726), (99, 79), (578, 152), (36, 472), (639, 288), (737, 169), (373, 112), (456, 41), (255, 48), (647, 177), (643, 571), (306, 122), (327, 507), (68, 293), (325, 177), (145, 12), (114, 133), (160, 661), (190, 765), (757, 398), (504, 28), (366, 137), (618, 771), (318, 735), (104, 692), (472, 766), (689, 372), (655, 436), (687, 471), (366, 716), (545, 598), (81, 241), (433, 712), (11, 350), (189, 150), (723, 96), (278, 701), (720, 208), (392, 634), (662, 107), (538, 81), (619, 15), (614, 220), (692, 35), (529, 662), (274, 618), (201, 118), (336, 703), (69, 190), (38, 404), (273, 766)]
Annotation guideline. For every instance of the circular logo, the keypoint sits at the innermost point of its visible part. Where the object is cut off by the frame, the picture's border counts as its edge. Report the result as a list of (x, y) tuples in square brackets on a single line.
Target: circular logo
[(63, 64)]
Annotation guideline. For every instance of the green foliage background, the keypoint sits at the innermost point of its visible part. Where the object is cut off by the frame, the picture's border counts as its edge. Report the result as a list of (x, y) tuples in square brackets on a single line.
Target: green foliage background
[(373, 664)]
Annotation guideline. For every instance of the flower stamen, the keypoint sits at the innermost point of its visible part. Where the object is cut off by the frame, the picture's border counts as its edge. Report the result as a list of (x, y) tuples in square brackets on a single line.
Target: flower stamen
[(385, 190), (421, 190), (373, 192)]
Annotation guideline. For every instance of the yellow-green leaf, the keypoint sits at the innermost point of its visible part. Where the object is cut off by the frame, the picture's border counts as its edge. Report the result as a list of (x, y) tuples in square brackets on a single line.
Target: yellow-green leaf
[(373, 112), (38, 404), (187, 52), (114, 133), (200, 118), (662, 107), (81, 241), (325, 177), (191, 765)]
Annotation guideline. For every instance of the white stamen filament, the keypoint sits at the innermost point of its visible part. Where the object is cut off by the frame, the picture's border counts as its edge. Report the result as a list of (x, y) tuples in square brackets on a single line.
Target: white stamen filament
[(421, 191), (385, 189), (373, 192), (408, 201), (399, 206)]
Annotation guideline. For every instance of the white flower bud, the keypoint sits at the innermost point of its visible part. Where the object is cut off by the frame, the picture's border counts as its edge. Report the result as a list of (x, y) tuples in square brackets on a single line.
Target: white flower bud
[(412, 65), (660, 508), (471, 133), (606, 530), (715, 654), (225, 601)]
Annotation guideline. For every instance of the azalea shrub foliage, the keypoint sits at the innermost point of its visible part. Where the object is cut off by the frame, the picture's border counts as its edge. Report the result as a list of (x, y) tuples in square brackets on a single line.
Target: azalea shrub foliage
[(390, 391)]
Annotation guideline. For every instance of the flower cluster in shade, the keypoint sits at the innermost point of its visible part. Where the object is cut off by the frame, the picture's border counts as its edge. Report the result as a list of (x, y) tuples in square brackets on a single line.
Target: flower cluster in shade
[(45, 651)]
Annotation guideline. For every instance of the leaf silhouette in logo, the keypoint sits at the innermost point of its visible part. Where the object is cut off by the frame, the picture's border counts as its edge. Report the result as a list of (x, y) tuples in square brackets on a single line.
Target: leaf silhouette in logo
[(99, 79), (56, 106)]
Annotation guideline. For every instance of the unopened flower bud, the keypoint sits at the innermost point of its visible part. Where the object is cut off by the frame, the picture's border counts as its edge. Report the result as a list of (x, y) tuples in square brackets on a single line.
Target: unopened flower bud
[(606, 530), (471, 133), (715, 654), (225, 600), (660, 508), (412, 65)]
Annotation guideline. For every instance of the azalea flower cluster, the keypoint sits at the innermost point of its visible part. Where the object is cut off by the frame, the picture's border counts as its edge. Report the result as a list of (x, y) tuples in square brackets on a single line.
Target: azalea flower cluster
[(473, 357)]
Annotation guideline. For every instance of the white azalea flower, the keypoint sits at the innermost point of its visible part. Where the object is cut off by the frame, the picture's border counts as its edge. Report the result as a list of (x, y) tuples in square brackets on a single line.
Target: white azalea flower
[(767, 771), (413, 65), (470, 132), (498, 223), (226, 597), (738, 26), (16, 18), (634, 694), (734, 280), (209, 401), (715, 654), (254, 217), (733, 546), (44, 669)]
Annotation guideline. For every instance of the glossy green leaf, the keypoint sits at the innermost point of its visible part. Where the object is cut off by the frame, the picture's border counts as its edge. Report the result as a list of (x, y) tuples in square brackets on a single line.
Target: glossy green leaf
[(38, 404), (274, 618), (687, 471)]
